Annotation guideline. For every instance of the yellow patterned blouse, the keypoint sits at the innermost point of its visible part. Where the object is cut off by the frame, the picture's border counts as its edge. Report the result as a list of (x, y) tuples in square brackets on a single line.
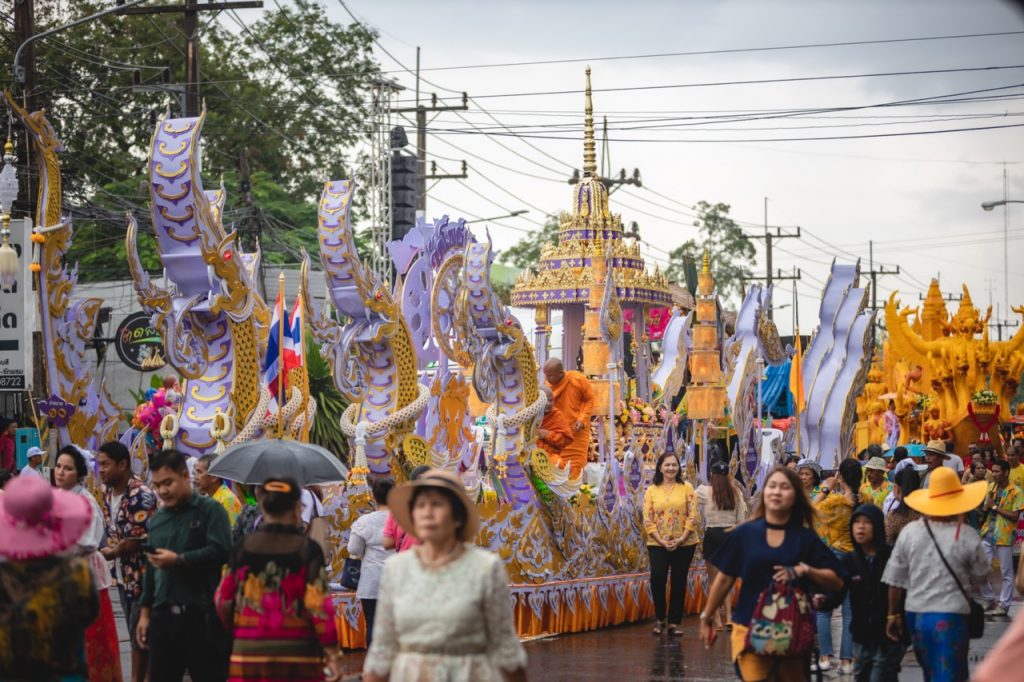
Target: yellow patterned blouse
[(875, 496), (833, 522), (672, 512)]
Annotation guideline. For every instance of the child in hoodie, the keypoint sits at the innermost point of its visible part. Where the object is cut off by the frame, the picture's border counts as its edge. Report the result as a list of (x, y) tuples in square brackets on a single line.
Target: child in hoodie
[(876, 657)]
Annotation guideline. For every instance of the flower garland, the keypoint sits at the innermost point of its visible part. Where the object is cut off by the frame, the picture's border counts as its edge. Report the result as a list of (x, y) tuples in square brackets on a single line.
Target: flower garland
[(983, 425), (984, 397)]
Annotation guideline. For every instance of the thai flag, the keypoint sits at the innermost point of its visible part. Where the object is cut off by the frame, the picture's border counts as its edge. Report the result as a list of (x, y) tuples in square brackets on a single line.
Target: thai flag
[(296, 346), (275, 345)]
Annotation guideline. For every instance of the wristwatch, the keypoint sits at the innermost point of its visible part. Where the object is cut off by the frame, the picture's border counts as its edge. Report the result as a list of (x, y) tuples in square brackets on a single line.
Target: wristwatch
[(825, 490)]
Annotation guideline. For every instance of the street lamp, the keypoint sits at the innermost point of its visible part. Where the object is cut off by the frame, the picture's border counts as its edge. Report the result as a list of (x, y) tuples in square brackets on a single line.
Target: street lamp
[(513, 214), (988, 206)]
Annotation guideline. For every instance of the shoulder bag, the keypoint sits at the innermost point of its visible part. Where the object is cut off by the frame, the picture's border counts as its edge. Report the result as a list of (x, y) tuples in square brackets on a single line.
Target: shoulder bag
[(782, 623), (976, 619)]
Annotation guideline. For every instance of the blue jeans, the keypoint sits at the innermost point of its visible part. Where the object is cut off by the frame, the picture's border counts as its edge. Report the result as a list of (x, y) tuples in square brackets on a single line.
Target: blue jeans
[(877, 662), (824, 622)]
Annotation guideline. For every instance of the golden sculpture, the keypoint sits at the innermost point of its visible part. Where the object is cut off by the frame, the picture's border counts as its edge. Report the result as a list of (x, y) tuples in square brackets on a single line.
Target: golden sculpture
[(937, 363)]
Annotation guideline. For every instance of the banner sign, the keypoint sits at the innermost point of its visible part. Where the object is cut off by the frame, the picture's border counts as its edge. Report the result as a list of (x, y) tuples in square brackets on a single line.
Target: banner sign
[(17, 317), (55, 409), (139, 344)]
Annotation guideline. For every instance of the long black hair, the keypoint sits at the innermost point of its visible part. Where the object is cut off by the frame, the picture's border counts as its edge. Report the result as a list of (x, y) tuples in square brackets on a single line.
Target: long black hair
[(659, 477), (908, 480)]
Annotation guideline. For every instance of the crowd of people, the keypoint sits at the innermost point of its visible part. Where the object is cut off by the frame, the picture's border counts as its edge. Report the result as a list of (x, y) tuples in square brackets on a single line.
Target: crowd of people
[(898, 552), (893, 550)]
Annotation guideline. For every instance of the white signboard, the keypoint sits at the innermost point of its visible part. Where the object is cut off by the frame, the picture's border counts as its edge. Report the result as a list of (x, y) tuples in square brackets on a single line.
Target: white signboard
[(17, 317)]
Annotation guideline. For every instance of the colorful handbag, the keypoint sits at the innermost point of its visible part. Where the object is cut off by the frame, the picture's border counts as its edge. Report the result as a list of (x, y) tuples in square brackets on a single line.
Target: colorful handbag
[(782, 623)]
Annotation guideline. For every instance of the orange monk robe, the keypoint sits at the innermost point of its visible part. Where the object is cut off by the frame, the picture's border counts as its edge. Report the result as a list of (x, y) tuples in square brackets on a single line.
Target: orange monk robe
[(559, 434), (575, 398)]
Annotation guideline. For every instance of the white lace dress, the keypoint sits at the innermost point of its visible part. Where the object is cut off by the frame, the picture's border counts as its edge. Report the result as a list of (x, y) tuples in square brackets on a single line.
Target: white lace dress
[(451, 624)]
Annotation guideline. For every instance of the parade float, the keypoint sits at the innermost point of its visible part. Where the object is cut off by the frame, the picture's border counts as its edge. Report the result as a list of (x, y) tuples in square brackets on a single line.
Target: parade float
[(78, 406), (411, 358), (940, 376), (834, 368)]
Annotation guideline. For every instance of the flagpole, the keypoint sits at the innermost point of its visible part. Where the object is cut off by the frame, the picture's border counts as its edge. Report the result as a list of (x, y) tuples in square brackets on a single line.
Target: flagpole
[(304, 436), (280, 357), (799, 398)]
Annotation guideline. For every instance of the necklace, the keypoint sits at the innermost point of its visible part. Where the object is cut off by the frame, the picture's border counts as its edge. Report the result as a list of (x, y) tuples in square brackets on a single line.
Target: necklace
[(776, 526), (440, 561)]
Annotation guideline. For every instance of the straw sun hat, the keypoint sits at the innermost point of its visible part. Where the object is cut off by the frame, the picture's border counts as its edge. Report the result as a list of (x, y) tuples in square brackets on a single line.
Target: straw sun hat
[(400, 498), (945, 495)]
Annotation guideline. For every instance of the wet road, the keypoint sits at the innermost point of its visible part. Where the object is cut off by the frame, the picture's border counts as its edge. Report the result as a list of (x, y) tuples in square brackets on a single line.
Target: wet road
[(631, 652)]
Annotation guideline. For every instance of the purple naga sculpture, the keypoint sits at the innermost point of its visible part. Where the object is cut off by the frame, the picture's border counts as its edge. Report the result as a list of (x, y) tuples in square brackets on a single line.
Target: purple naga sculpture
[(67, 327), (213, 323)]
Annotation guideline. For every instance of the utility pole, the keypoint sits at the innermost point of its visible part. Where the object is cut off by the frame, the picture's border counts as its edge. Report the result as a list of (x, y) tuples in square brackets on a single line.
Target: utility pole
[(421, 112), (875, 273), (190, 10), (769, 237), (949, 298), (253, 221), (1000, 325), (611, 184), (25, 28)]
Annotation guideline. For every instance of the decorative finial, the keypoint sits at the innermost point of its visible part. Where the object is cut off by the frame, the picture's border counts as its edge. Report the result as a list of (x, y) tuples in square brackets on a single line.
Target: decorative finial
[(706, 267), (589, 150), (9, 147)]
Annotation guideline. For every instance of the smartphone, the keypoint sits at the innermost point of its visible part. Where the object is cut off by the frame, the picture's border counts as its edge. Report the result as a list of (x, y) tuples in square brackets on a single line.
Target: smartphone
[(148, 548)]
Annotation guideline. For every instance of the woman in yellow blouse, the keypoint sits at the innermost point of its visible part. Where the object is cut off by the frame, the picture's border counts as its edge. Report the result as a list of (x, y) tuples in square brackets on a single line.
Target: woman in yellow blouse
[(835, 503), (670, 521)]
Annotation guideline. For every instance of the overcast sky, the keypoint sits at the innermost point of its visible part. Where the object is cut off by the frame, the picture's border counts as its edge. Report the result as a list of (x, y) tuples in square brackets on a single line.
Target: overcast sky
[(918, 197)]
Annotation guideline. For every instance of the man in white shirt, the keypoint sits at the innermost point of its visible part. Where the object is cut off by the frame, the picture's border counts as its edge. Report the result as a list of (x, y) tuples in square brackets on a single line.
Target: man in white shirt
[(35, 461)]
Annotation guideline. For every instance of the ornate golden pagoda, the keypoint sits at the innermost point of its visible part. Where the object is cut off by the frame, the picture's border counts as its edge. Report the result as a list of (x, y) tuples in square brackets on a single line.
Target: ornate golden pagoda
[(566, 275), (706, 396)]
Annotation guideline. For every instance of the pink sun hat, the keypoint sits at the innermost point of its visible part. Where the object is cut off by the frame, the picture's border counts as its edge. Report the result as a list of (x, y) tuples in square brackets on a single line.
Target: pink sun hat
[(37, 521)]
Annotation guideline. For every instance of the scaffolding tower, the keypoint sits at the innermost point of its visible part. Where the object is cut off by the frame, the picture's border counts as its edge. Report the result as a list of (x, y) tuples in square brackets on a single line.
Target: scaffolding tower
[(384, 93)]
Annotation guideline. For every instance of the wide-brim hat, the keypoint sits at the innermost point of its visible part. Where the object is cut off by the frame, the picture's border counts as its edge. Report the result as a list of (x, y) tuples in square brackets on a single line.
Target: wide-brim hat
[(400, 498), (946, 495), (876, 463), (808, 463), (38, 521), (936, 447)]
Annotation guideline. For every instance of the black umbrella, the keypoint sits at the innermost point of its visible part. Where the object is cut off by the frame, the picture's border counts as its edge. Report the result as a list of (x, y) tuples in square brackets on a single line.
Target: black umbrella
[(256, 461)]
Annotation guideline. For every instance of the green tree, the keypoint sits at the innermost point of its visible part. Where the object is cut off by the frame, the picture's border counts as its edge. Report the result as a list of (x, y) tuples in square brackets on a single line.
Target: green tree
[(288, 91), (525, 253), (732, 252)]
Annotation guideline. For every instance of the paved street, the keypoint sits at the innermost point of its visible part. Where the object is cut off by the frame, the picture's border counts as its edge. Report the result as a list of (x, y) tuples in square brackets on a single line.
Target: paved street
[(632, 653)]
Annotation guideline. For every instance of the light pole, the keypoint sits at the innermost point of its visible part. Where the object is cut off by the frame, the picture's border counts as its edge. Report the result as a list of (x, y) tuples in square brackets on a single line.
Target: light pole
[(513, 214), (988, 206)]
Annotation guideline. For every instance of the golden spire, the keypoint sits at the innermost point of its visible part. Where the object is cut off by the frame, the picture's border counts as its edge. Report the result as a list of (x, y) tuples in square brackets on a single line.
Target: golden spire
[(706, 267), (589, 153)]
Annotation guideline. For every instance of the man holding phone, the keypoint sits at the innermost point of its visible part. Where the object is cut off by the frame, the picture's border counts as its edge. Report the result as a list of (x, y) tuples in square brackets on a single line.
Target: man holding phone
[(189, 542)]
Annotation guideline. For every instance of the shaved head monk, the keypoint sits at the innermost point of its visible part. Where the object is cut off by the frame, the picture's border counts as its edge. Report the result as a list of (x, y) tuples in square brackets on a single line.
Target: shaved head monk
[(555, 432), (574, 398)]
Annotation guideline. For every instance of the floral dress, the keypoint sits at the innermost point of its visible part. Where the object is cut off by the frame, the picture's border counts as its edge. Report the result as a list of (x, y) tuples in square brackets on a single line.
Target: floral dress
[(450, 624), (275, 602)]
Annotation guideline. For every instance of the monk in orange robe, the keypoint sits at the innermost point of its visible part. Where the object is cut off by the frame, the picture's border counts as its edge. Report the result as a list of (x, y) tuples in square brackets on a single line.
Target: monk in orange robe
[(574, 397), (554, 432)]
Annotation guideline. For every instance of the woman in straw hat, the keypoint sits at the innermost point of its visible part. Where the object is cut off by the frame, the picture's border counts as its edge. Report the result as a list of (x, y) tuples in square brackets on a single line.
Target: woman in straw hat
[(46, 599), (919, 582), (443, 608)]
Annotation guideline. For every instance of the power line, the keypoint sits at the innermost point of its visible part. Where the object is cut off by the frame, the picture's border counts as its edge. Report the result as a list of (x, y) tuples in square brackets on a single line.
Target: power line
[(774, 48), (755, 81)]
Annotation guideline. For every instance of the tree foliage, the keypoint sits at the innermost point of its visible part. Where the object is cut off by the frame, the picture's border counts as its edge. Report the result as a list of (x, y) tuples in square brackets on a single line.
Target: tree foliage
[(732, 252), (525, 253), (288, 91)]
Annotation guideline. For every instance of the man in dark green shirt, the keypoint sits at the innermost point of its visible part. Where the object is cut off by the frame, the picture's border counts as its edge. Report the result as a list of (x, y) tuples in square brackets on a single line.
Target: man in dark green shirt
[(189, 542)]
